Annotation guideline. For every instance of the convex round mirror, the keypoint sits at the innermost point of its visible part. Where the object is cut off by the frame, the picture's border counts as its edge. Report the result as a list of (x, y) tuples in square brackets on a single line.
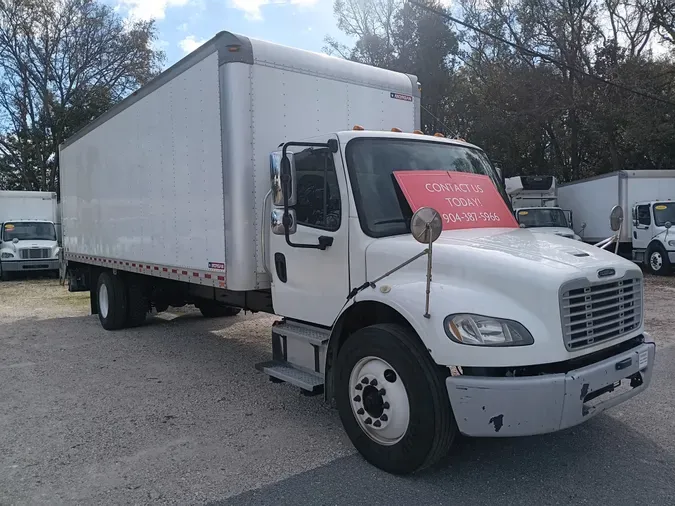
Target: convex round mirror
[(426, 225), (616, 218)]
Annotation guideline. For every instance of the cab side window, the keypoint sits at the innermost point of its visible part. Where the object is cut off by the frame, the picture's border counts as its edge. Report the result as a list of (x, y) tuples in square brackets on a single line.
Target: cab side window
[(644, 216), (318, 194)]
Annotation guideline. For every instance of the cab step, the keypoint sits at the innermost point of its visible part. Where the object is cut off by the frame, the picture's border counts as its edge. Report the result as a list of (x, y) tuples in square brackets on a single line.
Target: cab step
[(298, 355), (287, 373)]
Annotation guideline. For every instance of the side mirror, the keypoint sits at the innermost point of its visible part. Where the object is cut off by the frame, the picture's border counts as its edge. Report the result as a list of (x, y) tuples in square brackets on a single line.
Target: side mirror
[(668, 225), (616, 218), (426, 225), (277, 171), (15, 241), (277, 222)]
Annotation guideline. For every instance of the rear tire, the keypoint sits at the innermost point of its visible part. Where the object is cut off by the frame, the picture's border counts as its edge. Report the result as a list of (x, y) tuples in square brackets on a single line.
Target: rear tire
[(213, 309), (138, 304), (657, 260), (403, 441), (112, 301)]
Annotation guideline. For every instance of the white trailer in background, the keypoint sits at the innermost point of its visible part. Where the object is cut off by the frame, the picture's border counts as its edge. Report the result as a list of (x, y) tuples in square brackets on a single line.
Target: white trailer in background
[(648, 198), (236, 180), (29, 227)]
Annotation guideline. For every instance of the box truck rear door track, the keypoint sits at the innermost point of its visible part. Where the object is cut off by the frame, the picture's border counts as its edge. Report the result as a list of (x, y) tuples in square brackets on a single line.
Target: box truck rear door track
[(198, 277)]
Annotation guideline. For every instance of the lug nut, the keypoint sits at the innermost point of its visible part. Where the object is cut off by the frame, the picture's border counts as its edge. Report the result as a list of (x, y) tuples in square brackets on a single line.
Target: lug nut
[(377, 424), (374, 382), (383, 391), (357, 398), (385, 405), (365, 381), (369, 421), (360, 411), (359, 386), (384, 418)]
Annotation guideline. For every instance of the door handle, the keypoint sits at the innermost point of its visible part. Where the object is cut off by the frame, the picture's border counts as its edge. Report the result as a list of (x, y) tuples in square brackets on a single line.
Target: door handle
[(280, 265)]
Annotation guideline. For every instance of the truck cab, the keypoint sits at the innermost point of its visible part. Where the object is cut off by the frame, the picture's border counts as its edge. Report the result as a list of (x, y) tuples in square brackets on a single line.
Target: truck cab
[(653, 243), (28, 246), (546, 220), (352, 282)]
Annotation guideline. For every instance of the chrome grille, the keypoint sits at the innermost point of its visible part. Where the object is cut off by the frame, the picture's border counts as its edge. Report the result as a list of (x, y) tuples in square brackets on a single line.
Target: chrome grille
[(34, 253), (596, 312)]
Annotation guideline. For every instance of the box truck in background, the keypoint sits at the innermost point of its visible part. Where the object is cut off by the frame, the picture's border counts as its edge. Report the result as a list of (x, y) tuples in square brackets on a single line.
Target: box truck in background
[(28, 232), (237, 180), (535, 201), (647, 197)]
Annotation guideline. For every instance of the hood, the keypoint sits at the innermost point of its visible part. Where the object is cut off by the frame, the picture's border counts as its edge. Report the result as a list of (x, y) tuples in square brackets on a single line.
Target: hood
[(34, 244), (561, 231), (472, 253)]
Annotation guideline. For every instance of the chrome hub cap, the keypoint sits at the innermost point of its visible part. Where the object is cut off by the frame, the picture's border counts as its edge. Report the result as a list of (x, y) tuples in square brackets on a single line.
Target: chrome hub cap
[(379, 401), (656, 260), (103, 303)]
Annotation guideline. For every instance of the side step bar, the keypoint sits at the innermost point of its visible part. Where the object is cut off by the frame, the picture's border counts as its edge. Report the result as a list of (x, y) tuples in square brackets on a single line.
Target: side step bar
[(285, 372), (298, 355)]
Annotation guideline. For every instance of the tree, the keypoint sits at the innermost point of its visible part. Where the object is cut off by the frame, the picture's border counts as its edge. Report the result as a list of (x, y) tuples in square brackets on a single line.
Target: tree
[(529, 85), (62, 64)]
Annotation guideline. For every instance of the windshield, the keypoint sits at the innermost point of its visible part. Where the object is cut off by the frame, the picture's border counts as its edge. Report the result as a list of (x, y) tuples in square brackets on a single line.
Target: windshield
[(372, 161), (532, 218), (27, 231), (663, 212)]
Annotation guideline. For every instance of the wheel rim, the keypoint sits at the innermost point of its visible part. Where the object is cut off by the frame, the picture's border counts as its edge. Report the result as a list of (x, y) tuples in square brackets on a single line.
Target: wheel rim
[(656, 260), (103, 303), (379, 401)]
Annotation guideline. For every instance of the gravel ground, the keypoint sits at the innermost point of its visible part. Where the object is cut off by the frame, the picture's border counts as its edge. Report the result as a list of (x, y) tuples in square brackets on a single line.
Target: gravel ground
[(175, 413)]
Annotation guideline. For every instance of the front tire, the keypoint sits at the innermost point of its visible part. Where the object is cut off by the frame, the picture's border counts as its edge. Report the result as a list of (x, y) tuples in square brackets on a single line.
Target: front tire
[(658, 261), (112, 301), (392, 400)]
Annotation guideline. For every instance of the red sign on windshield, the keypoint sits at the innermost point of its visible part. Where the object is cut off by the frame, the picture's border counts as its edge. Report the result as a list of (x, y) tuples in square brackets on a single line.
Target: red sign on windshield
[(464, 200)]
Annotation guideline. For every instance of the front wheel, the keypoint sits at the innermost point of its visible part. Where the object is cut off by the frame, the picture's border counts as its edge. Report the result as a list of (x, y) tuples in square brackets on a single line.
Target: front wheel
[(658, 261), (392, 400)]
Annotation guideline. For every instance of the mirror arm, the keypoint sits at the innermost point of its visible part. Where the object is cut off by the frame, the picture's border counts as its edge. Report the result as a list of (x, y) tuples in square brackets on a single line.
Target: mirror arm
[(325, 242)]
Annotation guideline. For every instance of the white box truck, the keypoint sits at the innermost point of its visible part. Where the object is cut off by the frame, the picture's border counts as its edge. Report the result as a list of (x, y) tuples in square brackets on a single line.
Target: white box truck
[(647, 195), (28, 232), (237, 180), (535, 201)]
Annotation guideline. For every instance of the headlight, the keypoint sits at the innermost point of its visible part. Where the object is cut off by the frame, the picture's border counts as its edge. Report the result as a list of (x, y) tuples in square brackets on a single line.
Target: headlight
[(7, 255), (671, 243), (476, 330)]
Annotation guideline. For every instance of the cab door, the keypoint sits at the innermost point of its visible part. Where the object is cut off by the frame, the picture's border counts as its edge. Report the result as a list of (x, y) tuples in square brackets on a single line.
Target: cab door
[(642, 226), (310, 271)]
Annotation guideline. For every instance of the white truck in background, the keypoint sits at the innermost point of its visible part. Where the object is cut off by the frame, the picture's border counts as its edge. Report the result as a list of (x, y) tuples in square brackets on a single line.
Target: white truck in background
[(647, 196), (237, 180), (535, 201), (28, 232)]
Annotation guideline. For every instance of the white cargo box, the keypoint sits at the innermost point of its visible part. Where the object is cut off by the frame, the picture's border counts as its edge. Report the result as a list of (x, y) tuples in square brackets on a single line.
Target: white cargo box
[(591, 200), (171, 181)]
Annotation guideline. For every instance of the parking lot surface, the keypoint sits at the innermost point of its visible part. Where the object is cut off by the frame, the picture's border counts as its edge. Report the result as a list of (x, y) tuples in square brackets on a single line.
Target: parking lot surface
[(175, 413)]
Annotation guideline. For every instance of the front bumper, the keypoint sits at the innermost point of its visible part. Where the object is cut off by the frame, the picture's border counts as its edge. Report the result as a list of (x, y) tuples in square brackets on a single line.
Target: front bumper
[(524, 406), (46, 264)]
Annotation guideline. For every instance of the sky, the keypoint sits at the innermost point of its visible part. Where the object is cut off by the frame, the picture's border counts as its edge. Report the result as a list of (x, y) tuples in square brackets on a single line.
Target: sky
[(185, 24)]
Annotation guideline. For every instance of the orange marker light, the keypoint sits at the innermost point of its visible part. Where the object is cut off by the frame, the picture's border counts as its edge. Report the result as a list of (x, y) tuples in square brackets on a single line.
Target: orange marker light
[(418, 132), (358, 128), (438, 134), (397, 130)]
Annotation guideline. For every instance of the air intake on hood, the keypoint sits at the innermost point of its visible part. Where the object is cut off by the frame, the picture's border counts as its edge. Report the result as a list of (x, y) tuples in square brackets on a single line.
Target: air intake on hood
[(578, 253)]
